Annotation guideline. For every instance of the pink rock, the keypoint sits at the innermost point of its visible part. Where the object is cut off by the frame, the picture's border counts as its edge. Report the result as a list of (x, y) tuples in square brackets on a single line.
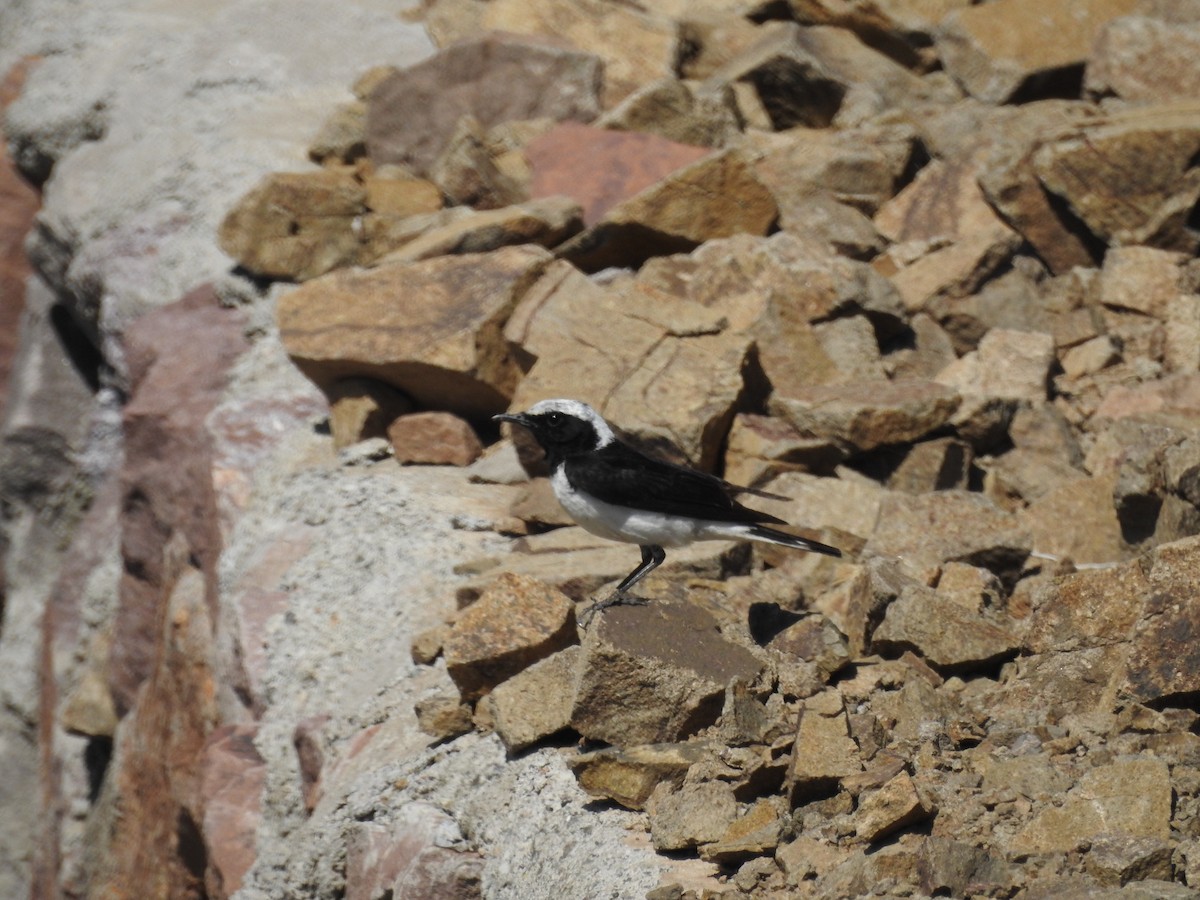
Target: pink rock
[(599, 168), (232, 784), (434, 438)]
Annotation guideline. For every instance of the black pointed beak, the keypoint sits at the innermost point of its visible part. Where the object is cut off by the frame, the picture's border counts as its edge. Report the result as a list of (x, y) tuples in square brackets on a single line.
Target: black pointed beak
[(515, 418)]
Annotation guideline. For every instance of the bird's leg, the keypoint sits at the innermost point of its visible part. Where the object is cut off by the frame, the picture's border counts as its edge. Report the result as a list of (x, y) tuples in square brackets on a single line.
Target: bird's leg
[(652, 558)]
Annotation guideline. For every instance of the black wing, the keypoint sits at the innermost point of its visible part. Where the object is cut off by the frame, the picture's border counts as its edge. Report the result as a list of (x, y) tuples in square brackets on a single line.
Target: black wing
[(619, 474)]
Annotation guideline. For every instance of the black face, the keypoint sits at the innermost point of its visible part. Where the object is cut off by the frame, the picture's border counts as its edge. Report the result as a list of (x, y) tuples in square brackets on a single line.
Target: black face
[(560, 435)]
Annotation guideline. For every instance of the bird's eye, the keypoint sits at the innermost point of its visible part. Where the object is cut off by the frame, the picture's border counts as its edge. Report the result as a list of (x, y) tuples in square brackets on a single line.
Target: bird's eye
[(554, 418)]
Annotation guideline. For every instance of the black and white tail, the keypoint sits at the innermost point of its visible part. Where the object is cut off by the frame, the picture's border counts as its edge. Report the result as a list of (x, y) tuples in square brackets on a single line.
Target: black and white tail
[(771, 536)]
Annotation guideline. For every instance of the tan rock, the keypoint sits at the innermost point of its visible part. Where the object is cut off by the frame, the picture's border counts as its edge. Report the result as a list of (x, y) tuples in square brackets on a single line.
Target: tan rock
[(1141, 279), (894, 806), (1090, 357), (443, 716), (654, 673), (835, 504), (390, 190), (936, 465), (1164, 654), (1090, 170), (851, 343), (433, 438), (761, 447), (442, 347), (996, 49), (816, 640), (674, 110), (971, 587), (637, 47), (1117, 859), (1077, 521), (1144, 59), (342, 136), (755, 833), (944, 632), (823, 752), (866, 415), (535, 703), (1130, 796), (948, 526), (681, 818), (629, 775), (295, 225), (1022, 476), (467, 170), (546, 222), (361, 408), (713, 198), (515, 623)]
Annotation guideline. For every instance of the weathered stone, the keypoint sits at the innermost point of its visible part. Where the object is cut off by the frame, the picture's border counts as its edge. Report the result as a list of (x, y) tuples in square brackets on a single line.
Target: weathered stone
[(361, 408), (937, 465), (862, 167), (443, 716), (1021, 476), (601, 168), (409, 858), (1116, 859), (864, 416), (998, 50), (1173, 401), (468, 170), (433, 438), (805, 857), (851, 343), (671, 109), (1077, 521), (810, 76), (296, 225), (342, 137), (1164, 652), (945, 633), (835, 504), (535, 703), (953, 867), (714, 197), (681, 818), (654, 673), (760, 447), (824, 751), (1118, 188), (413, 113), (1090, 357), (949, 238), (894, 806), (515, 623), (1130, 796), (233, 778), (629, 775), (1145, 60), (442, 347), (636, 47), (755, 833), (392, 191), (930, 352), (1142, 279), (813, 639), (948, 526)]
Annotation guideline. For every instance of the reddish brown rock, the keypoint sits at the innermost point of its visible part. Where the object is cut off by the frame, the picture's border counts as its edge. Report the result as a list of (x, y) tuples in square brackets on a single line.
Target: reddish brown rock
[(515, 623), (233, 779), (408, 860), (601, 168), (654, 673), (412, 114), (442, 347), (433, 438), (1164, 653)]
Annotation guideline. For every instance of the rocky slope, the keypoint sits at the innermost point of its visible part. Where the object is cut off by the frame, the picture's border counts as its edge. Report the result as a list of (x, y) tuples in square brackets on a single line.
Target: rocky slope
[(285, 615)]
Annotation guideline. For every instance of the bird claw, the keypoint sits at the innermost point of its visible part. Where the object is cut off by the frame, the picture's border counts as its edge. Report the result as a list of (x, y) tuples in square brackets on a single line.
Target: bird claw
[(617, 598)]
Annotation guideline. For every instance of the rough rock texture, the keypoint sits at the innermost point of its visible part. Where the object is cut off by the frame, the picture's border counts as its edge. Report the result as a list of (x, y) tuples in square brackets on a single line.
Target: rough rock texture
[(920, 273)]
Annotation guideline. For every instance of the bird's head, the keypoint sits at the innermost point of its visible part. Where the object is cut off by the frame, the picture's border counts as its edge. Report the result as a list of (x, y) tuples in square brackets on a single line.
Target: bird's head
[(563, 427)]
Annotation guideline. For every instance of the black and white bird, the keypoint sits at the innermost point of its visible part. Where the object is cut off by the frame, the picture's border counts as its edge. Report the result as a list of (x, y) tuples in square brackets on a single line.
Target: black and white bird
[(619, 493)]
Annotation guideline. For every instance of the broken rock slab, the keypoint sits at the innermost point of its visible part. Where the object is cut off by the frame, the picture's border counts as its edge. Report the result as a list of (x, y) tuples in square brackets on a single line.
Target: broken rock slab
[(1143, 59), (655, 673), (442, 347), (823, 752), (535, 703), (515, 623), (413, 113), (683, 817), (629, 775)]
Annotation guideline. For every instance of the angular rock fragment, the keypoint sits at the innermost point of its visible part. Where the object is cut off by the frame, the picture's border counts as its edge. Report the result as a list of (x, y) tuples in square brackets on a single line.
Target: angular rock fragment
[(681, 818), (761, 447), (1116, 859), (672, 109), (1077, 521), (443, 716), (924, 531), (755, 833), (863, 416), (713, 198), (361, 408), (893, 806), (655, 673), (823, 752), (412, 856), (1143, 59), (997, 50), (433, 438), (937, 465), (816, 640), (535, 703), (296, 225), (629, 775), (1164, 653), (413, 113), (515, 623), (442, 346), (945, 633)]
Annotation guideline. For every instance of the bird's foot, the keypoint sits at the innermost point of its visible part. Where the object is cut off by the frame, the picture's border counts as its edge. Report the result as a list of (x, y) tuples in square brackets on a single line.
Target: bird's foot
[(617, 598)]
